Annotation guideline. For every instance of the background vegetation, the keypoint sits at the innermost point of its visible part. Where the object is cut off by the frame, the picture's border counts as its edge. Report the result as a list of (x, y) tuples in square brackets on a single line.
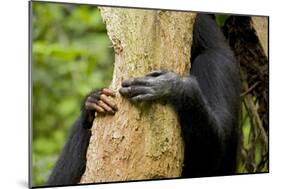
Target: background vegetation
[(71, 55)]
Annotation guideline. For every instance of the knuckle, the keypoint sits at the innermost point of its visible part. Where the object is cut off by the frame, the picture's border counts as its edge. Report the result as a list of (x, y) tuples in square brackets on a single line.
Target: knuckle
[(102, 96), (96, 96), (88, 99), (155, 87)]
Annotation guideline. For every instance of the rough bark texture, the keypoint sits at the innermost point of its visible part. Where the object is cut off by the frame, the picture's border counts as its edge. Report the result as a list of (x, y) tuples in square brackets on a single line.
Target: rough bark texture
[(141, 141), (260, 23)]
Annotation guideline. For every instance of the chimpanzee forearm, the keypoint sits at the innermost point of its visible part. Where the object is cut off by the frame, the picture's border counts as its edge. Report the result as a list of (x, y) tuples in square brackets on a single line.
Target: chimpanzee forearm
[(201, 129), (191, 105), (72, 161)]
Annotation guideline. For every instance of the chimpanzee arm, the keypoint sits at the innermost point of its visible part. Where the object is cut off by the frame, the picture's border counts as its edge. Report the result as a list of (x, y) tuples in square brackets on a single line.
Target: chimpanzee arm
[(207, 101), (215, 82), (72, 161)]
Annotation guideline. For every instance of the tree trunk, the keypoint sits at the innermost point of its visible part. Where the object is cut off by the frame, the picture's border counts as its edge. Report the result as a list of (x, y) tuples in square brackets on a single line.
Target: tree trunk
[(141, 141), (260, 23)]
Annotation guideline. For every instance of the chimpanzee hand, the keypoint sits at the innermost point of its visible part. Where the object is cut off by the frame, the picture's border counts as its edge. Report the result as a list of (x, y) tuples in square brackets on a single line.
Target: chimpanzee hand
[(100, 101), (155, 85)]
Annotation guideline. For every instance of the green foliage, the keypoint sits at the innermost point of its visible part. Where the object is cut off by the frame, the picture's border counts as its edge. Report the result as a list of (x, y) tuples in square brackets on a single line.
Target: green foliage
[(71, 55), (253, 155), (221, 18)]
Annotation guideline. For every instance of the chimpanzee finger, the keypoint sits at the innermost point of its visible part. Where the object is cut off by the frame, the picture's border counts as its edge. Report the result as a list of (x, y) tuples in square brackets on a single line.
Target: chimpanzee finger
[(93, 99), (145, 81), (156, 73), (94, 106), (94, 96), (109, 102), (105, 107), (108, 92), (145, 97), (134, 91), (127, 83)]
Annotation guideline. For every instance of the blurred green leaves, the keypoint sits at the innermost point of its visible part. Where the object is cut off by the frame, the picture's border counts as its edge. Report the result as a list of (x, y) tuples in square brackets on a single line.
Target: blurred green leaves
[(221, 18), (71, 55)]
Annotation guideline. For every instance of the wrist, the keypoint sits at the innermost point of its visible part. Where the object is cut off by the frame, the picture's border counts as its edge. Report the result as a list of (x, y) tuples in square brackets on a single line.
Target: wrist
[(87, 118)]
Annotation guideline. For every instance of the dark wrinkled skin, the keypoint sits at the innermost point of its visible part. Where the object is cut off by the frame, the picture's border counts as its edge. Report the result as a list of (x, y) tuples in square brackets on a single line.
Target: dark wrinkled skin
[(156, 85)]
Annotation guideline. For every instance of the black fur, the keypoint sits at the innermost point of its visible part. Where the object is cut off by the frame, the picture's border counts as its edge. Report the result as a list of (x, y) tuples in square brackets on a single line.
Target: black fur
[(72, 161), (207, 103)]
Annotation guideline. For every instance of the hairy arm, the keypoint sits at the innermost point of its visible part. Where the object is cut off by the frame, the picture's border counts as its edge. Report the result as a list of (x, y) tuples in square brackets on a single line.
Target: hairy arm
[(207, 126), (72, 162), (207, 101)]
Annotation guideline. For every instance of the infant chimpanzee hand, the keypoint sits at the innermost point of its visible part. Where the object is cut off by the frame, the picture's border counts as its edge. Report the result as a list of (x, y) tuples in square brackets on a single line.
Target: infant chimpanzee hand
[(100, 101)]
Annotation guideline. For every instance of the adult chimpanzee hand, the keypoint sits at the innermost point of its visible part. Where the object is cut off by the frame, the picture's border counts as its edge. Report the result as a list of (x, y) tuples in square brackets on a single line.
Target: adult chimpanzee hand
[(153, 86)]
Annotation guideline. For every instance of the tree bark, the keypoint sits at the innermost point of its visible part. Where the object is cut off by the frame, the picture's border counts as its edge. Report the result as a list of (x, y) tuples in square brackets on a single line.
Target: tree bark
[(141, 141), (260, 23)]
